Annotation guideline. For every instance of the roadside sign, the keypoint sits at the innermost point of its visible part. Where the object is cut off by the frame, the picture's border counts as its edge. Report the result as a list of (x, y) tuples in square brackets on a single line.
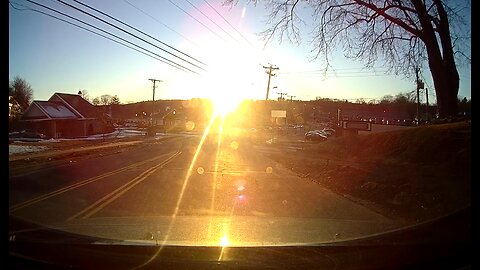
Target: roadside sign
[(279, 113), (357, 125)]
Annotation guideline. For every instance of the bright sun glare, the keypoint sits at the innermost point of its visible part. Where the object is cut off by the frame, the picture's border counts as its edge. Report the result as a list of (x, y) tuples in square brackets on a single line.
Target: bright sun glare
[(225, 104), (225, 91), (228, 79), (224, 241)]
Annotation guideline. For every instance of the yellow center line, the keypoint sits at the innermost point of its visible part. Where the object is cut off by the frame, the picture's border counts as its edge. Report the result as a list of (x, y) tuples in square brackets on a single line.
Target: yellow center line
[(109, 198), (77, 185)]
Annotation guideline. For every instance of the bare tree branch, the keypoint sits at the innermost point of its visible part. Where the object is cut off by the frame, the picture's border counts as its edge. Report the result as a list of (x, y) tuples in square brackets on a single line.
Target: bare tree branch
[(402, 34), (390, 18)]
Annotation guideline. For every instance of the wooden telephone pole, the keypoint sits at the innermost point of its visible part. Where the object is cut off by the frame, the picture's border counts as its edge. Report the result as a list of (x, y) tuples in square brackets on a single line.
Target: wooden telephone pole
[(153, 99), (269, 70)]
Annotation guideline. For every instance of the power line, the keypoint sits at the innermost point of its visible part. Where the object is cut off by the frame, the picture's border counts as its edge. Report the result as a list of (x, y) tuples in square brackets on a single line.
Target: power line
[(331, 72), (229, 23), (336, 76), (339, 70), (79, 26), (93, 26), (211, 20), (364, 98), (344, 74), (126, 24), (125, 31), (197, 20), (155, 19), (346, 70)]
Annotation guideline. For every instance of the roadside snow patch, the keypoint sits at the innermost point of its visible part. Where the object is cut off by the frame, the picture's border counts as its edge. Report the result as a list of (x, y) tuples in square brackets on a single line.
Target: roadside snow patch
[(20, 149)]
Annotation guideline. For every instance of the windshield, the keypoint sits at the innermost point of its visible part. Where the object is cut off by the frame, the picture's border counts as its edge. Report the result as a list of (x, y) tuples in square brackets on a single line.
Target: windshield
[(238, 123)]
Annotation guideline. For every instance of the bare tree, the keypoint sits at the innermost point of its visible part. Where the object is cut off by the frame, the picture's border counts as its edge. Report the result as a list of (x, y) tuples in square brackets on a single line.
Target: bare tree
[(84, 94), (387, 99), (115, 100), (403, 34), (96, 101), (360, 101), (373, 101), (403, 98), (105, 99), (21, 91)]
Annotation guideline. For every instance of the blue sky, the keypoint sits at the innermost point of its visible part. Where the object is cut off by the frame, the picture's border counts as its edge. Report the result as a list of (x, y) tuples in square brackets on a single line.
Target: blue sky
[(54, 56)]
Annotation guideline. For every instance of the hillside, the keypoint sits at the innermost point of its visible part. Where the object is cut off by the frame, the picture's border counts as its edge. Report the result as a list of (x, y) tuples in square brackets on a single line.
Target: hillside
[(410, 175)]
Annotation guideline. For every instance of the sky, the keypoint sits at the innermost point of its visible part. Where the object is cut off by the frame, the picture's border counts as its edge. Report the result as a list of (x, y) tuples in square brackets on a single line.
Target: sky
[(54, 56)]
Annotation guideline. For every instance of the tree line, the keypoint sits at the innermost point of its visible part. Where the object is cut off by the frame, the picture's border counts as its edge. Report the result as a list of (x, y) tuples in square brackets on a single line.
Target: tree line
[(101, 100)]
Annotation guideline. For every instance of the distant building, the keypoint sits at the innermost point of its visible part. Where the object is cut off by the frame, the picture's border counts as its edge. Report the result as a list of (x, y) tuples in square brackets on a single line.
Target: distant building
[(64, 116), (171, 121), (375, 114), (174, 121)]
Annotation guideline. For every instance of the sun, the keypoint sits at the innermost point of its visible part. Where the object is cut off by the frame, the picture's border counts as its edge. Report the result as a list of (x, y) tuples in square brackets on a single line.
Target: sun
[(231, 75), (226, 88), (224, 104)]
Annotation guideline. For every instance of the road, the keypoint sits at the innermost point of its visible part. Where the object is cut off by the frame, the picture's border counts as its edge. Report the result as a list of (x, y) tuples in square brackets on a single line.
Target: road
[(187, 189)]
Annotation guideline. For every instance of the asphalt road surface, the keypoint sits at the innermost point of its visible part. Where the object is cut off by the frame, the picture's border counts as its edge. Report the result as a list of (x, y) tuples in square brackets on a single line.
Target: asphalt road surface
[(188, 190)]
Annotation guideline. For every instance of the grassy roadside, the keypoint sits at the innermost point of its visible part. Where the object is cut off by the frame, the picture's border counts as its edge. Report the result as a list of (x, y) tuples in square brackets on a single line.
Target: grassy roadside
[(411, 175)]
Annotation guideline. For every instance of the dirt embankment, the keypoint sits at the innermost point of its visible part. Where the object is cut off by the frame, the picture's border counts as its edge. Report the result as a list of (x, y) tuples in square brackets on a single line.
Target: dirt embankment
[(411, 175)]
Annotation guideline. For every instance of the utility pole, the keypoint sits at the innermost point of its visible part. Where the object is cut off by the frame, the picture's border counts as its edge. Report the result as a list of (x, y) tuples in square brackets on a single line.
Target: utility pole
[(269, 70), (281, 95), (153, 98), (426, 96), (291, 98), (419, 86)]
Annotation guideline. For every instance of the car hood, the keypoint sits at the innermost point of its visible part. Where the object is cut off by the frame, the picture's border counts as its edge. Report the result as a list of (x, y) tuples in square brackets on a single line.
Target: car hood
[(217, 230), (253, 243), (245, 231)]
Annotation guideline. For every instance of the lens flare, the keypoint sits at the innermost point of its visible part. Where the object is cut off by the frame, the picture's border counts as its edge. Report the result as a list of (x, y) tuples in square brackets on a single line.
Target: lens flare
[(224, 241), (182, 192), (216, 185), (189, 125), (234, 145)]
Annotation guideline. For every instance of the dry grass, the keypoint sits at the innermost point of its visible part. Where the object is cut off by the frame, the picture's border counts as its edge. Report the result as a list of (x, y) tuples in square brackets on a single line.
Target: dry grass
[(410, 175)]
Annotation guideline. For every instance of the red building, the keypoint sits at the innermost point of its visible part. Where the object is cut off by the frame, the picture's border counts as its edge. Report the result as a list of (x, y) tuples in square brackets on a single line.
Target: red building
[(65, 116)]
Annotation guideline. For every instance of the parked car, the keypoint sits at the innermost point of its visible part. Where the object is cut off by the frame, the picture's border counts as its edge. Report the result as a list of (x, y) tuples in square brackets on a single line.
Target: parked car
[(315, 135), (329, 131)]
